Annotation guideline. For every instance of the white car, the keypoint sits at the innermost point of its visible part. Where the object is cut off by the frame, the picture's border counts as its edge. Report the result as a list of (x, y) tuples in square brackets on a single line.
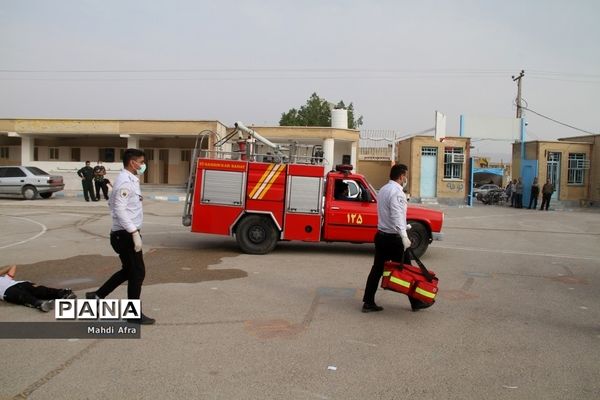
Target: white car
[(28, 182), (484, 189)]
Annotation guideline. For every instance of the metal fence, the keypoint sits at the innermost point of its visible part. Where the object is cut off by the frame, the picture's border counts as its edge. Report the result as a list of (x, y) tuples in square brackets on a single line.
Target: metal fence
[(376, 144)]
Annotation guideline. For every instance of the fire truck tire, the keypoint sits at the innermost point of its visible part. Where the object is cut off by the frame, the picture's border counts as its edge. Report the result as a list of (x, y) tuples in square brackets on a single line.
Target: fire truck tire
[(256, 234), (419, 238)]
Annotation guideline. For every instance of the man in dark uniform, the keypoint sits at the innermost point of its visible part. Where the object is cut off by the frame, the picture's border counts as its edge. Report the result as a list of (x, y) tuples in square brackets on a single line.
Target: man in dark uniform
[(391, 238), (87, 177), (99, 181)]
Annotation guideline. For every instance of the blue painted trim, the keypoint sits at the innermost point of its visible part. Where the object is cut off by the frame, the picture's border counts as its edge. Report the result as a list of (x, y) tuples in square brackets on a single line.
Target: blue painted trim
[(522, 144), (470, 201)]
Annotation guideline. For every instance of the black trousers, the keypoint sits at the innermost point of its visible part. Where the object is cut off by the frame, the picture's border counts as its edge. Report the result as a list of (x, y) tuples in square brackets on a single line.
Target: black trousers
[(88, 189), (101, 185), (533, 200), (132, 269), (546, 201), (387, 247), (30, 295)]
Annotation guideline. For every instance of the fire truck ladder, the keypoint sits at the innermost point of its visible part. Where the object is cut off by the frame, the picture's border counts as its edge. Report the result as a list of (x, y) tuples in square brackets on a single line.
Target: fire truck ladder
[(186, 218)]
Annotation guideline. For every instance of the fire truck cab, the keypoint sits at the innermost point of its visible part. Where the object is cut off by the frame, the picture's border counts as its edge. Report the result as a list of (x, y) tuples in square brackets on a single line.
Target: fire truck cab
[(262, 203)]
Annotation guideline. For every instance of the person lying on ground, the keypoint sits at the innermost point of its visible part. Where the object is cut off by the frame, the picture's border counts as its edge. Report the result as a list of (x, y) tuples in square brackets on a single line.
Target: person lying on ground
[(27, 293)]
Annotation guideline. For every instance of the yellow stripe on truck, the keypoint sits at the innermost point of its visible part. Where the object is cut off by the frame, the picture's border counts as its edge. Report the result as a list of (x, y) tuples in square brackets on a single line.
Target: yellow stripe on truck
[(260, 181), (271, 181)]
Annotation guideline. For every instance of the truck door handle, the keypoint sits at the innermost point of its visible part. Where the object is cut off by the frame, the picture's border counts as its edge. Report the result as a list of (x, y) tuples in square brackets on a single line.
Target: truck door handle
[(335, 208)]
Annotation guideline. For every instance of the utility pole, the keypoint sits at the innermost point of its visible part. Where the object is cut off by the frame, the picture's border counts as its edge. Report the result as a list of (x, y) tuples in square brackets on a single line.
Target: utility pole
[(518, 80)]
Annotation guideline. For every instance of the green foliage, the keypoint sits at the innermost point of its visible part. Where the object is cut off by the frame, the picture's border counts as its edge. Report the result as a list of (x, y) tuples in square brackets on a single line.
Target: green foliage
[(316, 112)]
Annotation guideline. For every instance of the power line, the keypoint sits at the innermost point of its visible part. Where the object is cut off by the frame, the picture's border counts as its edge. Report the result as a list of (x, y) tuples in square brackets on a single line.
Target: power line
[(558, 122)]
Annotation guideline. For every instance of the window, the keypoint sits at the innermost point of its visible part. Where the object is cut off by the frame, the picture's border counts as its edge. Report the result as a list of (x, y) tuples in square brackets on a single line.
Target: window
[(106, 155), (53, 153), (75, 154), (4, 152), (36, 171), (577, 166), (453, 162), (163, 155), (186, 155), (149, 154), (12, 172), (429, 151)]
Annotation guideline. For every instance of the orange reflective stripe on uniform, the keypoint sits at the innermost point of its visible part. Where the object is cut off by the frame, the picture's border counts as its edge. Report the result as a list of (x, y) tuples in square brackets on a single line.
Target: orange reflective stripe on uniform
[(399, 281), (425, 293)]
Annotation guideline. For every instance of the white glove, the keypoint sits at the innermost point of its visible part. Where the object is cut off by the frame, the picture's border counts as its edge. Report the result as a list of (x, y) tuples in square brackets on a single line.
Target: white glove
[(405, 240), (408, 227), (137, 241)]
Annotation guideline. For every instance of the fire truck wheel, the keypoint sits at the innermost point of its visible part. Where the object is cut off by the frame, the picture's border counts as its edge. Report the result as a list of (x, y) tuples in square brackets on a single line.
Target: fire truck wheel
[(419, 238), (256, 234)]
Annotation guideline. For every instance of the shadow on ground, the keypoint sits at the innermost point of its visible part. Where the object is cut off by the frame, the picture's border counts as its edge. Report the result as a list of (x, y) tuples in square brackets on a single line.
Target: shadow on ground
[(162, 266)]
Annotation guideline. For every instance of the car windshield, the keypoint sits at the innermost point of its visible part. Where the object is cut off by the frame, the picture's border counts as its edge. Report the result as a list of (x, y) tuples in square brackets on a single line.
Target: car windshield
[(36, 171)]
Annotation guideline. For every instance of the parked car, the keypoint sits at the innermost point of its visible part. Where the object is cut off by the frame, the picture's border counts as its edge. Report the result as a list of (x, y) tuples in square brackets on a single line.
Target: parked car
[(484, 189), (28, 182)]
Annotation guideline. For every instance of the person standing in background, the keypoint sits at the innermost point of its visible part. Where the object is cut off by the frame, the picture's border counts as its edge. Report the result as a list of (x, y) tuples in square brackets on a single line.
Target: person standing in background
[(547, 191), (99, 172), (535, 191), (519, 194), (87, 177)]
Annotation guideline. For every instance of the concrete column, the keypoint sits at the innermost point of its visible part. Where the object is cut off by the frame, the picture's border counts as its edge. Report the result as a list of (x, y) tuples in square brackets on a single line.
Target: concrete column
[(133, 142), (328, 155), (354, 156), (26, 149)]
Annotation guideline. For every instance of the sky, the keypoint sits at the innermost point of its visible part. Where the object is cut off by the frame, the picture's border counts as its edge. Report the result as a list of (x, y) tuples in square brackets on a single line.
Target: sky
[(397, 61)]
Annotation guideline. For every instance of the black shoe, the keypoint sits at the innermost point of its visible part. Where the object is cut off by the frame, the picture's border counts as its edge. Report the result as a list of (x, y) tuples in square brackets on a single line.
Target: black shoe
[(143, 320), (67, 294), (417, 305), (91, 296), (371, 308)]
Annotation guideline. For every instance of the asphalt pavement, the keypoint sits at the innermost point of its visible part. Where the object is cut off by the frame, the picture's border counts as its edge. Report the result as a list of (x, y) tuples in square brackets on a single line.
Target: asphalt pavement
[(518, 313)]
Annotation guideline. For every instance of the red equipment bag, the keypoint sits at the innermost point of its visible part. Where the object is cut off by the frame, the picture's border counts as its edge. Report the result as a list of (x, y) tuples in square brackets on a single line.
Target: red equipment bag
[(416, 282)]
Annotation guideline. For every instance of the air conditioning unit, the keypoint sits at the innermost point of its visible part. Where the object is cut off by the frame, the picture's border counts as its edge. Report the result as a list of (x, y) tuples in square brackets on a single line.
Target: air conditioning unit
[(457, 158)]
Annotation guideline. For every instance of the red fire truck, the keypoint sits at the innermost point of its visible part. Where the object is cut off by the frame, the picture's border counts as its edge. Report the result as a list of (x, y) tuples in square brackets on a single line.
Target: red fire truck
[(261, 203)]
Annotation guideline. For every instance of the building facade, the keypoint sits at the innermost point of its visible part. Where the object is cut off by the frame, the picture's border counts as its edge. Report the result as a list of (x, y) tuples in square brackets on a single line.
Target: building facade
[(569, 164), (61, 146), (438, 170)]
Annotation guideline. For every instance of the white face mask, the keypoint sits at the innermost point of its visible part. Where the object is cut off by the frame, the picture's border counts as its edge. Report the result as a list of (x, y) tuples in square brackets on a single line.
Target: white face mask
[(405, 182), (141, 169)]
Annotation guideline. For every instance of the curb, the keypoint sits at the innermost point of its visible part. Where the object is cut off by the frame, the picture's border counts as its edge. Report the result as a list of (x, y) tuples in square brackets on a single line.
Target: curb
[(170, 198)]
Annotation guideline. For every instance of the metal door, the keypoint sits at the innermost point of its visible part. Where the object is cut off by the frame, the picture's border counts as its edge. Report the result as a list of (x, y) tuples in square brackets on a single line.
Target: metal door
[(529, 170), (428, 172), (553, 172)]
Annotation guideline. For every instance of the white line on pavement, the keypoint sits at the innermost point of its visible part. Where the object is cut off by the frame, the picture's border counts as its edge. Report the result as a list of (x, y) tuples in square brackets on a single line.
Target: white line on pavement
[(44, 229), (521, 253)]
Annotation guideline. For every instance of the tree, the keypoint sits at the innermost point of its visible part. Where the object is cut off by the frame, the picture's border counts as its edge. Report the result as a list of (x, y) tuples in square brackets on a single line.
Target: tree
[(317, 112)]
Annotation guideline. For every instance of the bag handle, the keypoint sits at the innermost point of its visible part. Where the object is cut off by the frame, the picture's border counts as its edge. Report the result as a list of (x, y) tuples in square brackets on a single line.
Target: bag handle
[(424, 270)]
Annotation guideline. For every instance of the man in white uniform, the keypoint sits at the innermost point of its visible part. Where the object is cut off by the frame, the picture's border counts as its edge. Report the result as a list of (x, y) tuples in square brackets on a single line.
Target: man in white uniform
[(391, 238), (126, 209)]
